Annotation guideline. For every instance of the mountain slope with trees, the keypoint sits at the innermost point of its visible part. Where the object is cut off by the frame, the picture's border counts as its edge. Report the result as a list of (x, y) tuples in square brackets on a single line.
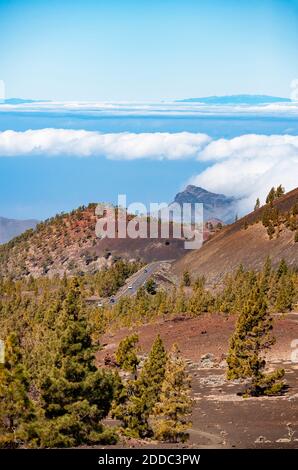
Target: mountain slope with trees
[(270, 230), (67, 244)]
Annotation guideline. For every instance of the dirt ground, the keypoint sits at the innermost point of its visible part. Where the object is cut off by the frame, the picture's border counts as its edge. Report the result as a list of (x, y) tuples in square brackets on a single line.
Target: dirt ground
[(221, 418), (209, 333)]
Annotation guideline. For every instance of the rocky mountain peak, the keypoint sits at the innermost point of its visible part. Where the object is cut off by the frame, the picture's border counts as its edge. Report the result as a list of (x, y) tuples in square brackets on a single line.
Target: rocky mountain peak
[(216, 206)]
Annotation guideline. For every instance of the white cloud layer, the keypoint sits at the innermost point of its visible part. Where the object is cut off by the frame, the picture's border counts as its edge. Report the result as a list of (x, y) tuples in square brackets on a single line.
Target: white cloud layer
[(249, 165), (122, 146), (166, 108), (245, 166)]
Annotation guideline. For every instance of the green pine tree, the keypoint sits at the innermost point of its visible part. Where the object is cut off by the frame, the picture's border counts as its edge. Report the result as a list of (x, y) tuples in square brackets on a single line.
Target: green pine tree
[(253, 336), (152, 373), (150, 286), (171, 414), (271, 196), (75, 395), (285, 294), (270, 230), (282, 269), (126, 355), (16, 409), (138, 398), (257, 204), (280, 190), (266, 274), (186, 279), (180, 305)]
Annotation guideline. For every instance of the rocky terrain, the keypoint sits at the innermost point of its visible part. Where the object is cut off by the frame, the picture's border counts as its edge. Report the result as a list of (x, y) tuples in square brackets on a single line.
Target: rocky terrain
[(221, 418)]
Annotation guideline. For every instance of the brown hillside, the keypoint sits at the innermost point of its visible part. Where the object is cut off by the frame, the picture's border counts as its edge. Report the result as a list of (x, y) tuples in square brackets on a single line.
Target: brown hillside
[(68, 244), (247, 242)]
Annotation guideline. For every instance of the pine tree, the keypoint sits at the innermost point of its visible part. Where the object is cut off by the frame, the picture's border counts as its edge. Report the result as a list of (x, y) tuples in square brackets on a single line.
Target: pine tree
[(180, 305), (152, 373), (280, 190), (186, 279), (126, 355), (201, 299), (282, 269), (265, 276), (251, 338), (16, 409), (271, 196), (285, 294), (136, 401), (257, 204), (171, 414), (226, 299), (75, 395), (270, 230), (266, 216), (150, 286)]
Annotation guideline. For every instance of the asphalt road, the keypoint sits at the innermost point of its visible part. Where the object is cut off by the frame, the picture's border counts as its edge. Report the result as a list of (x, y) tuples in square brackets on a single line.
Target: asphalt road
[(138, 280)]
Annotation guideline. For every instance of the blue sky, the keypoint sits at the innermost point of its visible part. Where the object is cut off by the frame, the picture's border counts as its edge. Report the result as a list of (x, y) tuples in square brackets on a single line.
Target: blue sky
[(146, 50)]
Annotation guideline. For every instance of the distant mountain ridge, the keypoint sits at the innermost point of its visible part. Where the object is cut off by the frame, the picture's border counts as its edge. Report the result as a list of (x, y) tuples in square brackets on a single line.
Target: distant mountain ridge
[(237, 99), (216, 206), (10, 228)]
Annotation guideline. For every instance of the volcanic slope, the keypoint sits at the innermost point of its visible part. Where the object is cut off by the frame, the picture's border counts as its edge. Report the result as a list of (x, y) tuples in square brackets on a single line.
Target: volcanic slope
[(67, 244), (247, 242)]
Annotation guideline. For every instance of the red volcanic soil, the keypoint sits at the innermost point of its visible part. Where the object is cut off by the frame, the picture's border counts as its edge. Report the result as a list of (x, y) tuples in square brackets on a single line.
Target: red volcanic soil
[(208, 333), (220, 417)]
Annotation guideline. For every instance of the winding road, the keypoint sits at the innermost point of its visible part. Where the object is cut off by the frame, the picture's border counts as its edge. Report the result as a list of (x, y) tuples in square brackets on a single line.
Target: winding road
[(139, 279)]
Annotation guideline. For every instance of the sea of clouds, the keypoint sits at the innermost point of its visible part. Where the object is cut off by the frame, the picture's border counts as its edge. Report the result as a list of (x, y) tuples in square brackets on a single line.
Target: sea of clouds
[(245, 166), (159, 108)]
